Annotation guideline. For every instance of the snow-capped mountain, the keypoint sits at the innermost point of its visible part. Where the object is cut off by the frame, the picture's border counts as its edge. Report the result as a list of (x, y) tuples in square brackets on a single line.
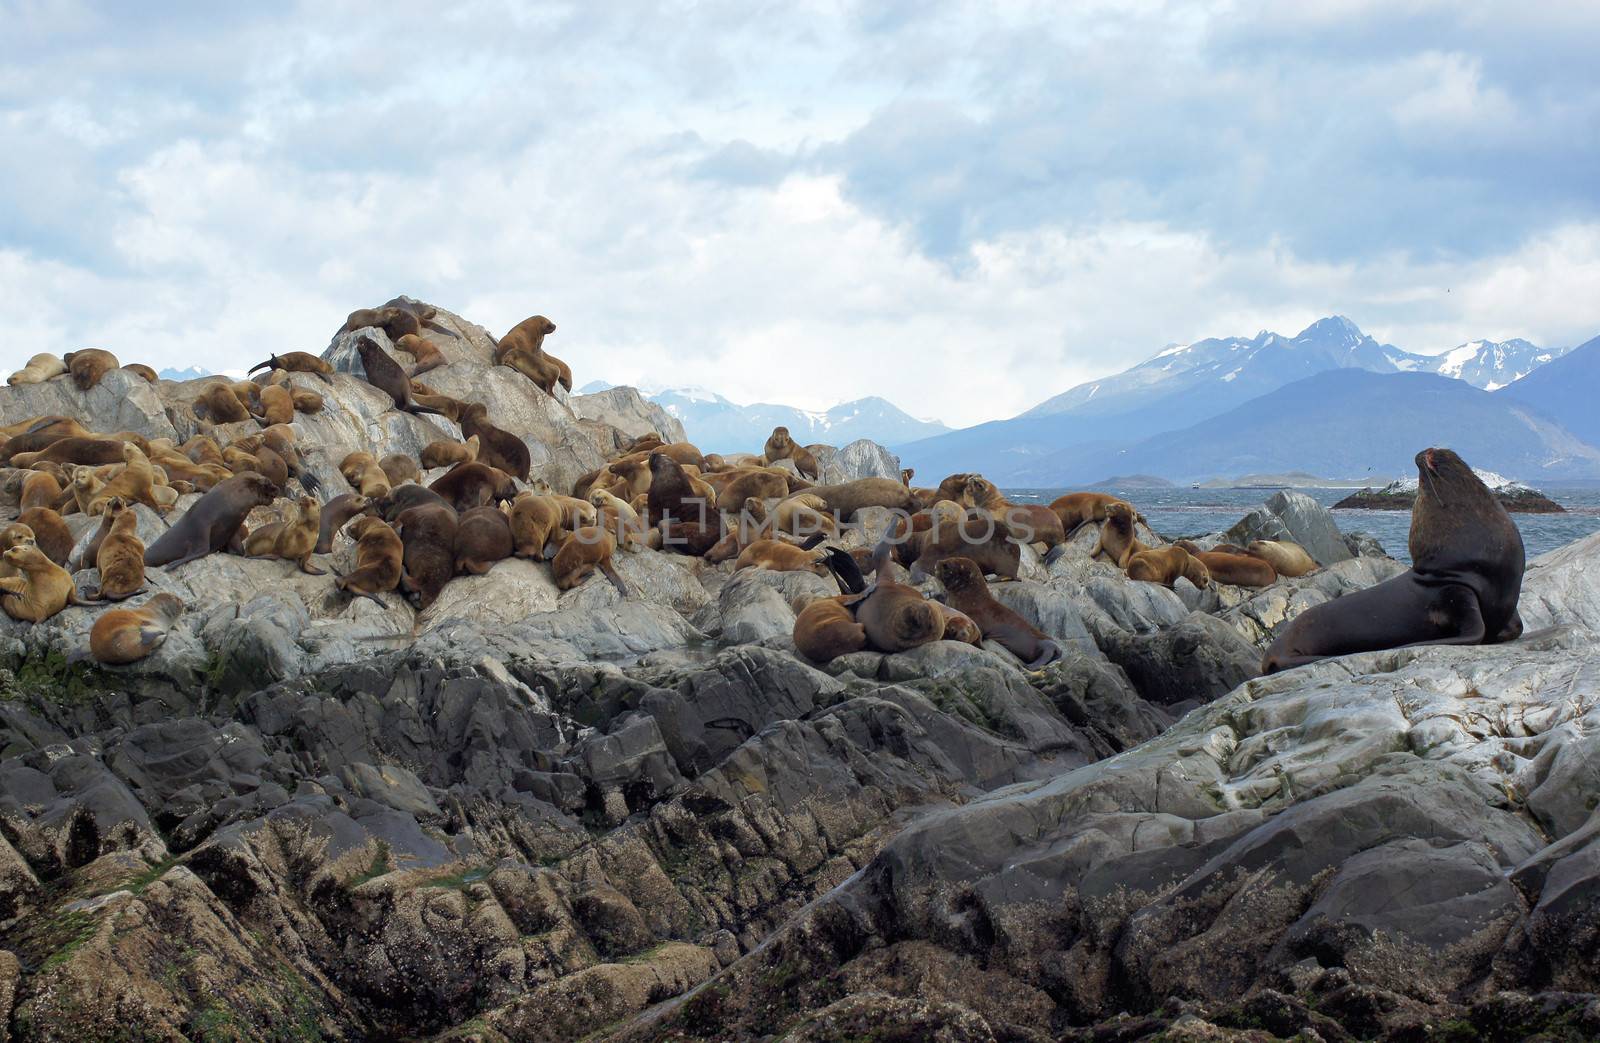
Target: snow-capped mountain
[(1237, 368), (720, 425), (191, 373), (1486, 364)]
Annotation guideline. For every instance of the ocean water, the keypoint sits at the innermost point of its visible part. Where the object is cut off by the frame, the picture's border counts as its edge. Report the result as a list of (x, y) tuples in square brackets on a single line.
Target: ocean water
[(1176, 513)]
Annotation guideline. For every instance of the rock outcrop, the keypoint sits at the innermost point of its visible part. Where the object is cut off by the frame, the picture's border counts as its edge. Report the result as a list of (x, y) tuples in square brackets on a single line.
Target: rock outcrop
[(542, 815)]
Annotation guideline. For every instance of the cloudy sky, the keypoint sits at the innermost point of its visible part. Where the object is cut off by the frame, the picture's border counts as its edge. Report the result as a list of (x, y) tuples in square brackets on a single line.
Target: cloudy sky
[(965, 208)]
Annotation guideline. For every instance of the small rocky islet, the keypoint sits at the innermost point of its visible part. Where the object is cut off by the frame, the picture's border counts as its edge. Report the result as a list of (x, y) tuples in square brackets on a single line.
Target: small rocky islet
[(527, 813)]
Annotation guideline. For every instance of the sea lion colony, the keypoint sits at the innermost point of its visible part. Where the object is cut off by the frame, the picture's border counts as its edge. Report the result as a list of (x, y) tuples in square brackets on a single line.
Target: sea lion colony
[(412, 535)]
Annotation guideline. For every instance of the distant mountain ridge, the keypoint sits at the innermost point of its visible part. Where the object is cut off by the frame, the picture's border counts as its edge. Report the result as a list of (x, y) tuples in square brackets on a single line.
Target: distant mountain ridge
[(1566, 389), (1186, 384), (720, 425)]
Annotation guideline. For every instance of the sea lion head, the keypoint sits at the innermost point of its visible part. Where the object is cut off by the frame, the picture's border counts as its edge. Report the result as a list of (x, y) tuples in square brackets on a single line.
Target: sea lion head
[(476, 412), (661, 463), (1195, 571), (362, 524), (310, 507), (958, 574), (1120, 516), (15, 534), (26, 557), (544, 325), (259, 486), (168, 606), (918, 622)]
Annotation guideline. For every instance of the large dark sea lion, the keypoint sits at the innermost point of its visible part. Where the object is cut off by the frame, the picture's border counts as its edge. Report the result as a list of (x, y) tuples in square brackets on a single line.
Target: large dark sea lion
[(213, 522), (1462, 588), (385, 374)]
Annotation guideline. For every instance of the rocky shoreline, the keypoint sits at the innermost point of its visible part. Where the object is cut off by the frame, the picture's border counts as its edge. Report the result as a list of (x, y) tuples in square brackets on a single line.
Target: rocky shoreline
[(534, 814)]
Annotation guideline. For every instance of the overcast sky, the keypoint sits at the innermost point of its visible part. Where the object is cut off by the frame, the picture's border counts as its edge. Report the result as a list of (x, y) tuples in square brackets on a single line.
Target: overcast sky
[(965, 208)]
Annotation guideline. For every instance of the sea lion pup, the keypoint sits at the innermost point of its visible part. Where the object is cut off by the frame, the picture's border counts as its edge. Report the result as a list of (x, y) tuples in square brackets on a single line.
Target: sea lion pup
[(89, 365), (292, 538), (218, 404), (50, 533), (39, 369), (803, 514), (305, 400), (1286, 559), (39, 489), (1117, 539), (496, 447), (958, 626), (1079, 509), (425, 351), (429, 535), (967, 593), (765, 485), (477, 484), (448, 454), (1164, 565), (825, 629), (535, 520), (213, 523), (672, 496), (379, 555), (385, 374), (776, 556), (13, 534), (277, 405), (364, 475), (483, 537), (297, 362), (335, 513), (119, 558), (1465, 579), (39, 590), (139, 369), (400, 469), (135, 483), (846, 499), (896, 617), (1221, 564), (127, 635), (617, 517), (583, 551)]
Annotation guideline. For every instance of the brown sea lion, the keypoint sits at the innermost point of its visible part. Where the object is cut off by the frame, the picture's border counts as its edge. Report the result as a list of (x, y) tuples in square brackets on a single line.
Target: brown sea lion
[(39, 489), (477, 484), (127, 635), (777, 556), (429, 535), (535, 521), (1118, 541), (400, 469), (213, 523), (135, 483), (13, 534), (426, 352), (780, 446), (90, 451), (619, 518), (277, 404), (385, 374), (1164, 565), (297, 362), (826, 629), (689, 538), (89, 365), (1221, 565), (1462, 588), (335, 513), (292, 538), (896, 617), (119, 558), (583, 551), (958, 626), (364, 475), (847, 498), (217, 403), (390, 507), (803, 514), (976, 535), (40, 588), (139, 369), (522, 349), (39, 369), (50, 533), (91, 551), (1079, 509), (672, 496), (760, 484), (483, 537), (496, 447), (379, 557), (394, 321), (305, 401), (448, 454), (968, 593), (1286, 558)]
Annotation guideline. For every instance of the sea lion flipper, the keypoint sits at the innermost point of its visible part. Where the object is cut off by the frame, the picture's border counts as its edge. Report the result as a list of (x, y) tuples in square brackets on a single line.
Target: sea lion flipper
[(1049, 652), (615, 577), (845, 571)]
